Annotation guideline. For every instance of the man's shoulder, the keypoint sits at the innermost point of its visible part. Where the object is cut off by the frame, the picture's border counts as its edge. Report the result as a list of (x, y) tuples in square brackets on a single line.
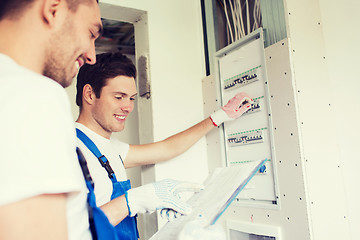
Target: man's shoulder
[(15, 75), (117, 142)]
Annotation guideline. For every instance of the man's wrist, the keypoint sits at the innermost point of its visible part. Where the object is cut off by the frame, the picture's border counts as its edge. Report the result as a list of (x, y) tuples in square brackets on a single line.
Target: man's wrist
[(127, 204), (219, 117), (212, 121)]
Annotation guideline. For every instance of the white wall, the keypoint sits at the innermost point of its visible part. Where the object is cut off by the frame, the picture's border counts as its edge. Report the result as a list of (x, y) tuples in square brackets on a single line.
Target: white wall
[(342, 42), (324, 49)]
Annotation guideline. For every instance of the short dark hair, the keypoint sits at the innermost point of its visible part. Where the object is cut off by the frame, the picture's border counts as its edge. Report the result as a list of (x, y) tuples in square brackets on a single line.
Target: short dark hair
[(14, 8), (107, 66), (73, 4)]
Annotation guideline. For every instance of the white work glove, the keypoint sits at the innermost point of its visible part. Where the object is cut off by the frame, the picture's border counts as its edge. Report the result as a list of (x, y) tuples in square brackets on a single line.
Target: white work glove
[(235, 107), (169, 214), (160, 195)]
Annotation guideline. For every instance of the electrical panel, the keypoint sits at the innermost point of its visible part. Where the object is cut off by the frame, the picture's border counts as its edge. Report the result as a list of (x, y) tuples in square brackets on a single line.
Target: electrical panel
[(241, 230), (241, 68)]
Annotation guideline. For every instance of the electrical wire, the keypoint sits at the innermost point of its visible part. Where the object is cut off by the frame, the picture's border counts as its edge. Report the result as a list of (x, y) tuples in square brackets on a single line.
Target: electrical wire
[(256, 15), (228, 22), (239, 18), (247, 17), (235, 20), (241, 22)]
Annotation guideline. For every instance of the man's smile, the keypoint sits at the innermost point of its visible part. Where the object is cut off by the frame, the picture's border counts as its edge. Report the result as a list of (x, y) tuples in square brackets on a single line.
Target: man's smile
[(120, 117)]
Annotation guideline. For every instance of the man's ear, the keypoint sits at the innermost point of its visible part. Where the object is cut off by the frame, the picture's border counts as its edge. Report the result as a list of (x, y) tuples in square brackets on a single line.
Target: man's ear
[(88, 94), (50, 10)]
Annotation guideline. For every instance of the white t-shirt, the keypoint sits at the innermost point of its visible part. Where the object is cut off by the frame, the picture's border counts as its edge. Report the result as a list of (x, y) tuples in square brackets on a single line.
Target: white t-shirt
[(38, 144), (114, 151)]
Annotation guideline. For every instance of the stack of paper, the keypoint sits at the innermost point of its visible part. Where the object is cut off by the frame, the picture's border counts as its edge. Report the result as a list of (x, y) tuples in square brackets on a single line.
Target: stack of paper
[(221, 188)]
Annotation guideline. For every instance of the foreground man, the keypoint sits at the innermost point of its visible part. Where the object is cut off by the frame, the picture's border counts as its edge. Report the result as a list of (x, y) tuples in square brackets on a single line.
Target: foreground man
[(42, 190), (106, 93), (42, 45)]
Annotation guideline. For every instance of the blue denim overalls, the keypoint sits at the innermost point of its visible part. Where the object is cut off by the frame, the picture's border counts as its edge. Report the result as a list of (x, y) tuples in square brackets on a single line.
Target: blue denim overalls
[(127, 228)]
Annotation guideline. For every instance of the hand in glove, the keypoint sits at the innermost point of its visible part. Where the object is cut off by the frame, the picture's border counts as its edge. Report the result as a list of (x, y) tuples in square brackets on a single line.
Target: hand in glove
[(169, 214), (160, 195), (236, 106)]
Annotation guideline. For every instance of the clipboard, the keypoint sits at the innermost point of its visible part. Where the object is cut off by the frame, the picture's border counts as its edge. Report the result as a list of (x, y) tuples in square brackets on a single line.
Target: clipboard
[(221, 189)]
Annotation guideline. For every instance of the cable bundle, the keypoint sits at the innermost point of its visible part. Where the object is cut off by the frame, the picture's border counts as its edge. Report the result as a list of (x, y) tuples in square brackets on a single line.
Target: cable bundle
[(240, 20)]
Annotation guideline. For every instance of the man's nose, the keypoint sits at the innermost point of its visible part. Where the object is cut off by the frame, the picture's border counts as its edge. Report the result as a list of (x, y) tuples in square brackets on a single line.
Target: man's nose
[(128, 106), (91, 55)]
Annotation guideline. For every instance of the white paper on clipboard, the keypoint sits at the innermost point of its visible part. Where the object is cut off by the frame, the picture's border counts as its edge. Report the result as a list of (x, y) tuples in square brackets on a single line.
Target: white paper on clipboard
[(221, 188)]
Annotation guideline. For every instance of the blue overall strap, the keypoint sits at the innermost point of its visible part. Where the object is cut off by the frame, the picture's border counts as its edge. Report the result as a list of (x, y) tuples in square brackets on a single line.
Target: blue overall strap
[(93, 148), (127, 228), (100, 227)]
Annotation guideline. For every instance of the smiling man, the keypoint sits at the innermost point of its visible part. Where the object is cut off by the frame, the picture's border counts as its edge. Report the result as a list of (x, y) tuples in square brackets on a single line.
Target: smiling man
[(42, 45), (106, 93)]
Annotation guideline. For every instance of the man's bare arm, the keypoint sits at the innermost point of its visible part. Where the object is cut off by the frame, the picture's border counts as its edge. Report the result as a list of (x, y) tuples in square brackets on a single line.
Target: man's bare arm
[(35, 218), (168, 148), (116, 210)]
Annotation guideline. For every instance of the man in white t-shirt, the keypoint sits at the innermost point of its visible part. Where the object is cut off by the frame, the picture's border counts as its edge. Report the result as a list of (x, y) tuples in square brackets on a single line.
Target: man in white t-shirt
[(106, 93), (42, 45)]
